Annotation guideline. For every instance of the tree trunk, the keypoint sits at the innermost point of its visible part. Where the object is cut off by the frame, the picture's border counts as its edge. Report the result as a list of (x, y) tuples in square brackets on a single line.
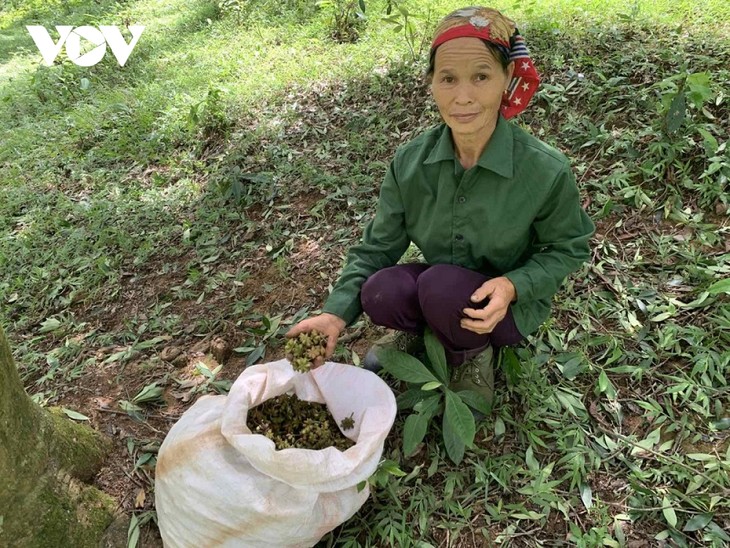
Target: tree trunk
[(44, 458)]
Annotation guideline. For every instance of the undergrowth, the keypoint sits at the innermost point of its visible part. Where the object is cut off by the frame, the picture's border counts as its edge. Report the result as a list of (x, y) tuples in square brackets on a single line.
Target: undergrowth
[(199, 191)]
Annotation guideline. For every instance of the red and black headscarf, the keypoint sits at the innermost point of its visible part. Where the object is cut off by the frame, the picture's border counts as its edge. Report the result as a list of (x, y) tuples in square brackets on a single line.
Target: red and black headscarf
[(490, 25)]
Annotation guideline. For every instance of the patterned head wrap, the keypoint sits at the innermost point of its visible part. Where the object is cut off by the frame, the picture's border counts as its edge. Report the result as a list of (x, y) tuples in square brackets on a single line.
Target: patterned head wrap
[(491, 25)]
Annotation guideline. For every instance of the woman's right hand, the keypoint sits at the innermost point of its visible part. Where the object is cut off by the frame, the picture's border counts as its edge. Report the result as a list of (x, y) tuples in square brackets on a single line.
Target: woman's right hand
[(327, 324)]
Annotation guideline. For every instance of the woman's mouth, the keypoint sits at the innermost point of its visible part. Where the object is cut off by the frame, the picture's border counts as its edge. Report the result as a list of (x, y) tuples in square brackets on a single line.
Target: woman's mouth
[(464, 118)]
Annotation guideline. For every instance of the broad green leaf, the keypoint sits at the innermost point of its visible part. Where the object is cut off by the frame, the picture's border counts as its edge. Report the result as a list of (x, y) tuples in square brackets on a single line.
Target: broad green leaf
[(254, 356), (700, 90), (74, 415), (404, 367), (571, 403), (702, 457), (431, 386), (144, 345), (454, 444), (697, 522), (391, 467), (669, 514), (723, 286), (709, 141), (273, 326), (409, 398), (586, 495), (48, 325), (573, 367), (602, 381), (499, 427), (414, 430), (149, 393), (131, 409), (530, 459), (475, 400), (145, 458), (677, 111), (530, 514), (437, 356), (460, 418), (718, 531), (696, 482), (428, 407), (722, 424), (661, 317)]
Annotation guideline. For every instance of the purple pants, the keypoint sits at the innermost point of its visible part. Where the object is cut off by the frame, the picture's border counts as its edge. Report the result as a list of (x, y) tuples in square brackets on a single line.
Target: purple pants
[(409, 297)]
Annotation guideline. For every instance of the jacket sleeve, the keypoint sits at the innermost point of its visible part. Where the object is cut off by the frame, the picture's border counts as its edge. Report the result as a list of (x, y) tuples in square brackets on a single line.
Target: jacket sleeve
[(383, 243), (560, 235)]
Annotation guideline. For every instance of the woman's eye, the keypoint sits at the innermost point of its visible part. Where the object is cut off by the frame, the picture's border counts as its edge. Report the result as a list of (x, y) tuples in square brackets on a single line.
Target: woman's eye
[(481, 77), (447, 79)]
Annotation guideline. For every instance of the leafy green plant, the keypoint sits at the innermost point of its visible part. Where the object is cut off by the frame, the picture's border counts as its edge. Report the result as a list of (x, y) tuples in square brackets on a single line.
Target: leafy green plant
[(429, 396), (210, 115), (347, 18), (386, 470), (221, 386), (405, 21), (150, 394)]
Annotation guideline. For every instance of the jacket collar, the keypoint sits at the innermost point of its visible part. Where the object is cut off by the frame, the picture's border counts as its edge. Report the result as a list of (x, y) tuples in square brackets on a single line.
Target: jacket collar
[(496, 157)]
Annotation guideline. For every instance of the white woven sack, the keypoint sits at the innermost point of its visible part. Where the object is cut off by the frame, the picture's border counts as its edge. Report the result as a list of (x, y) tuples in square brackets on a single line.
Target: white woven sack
[(217, 484)]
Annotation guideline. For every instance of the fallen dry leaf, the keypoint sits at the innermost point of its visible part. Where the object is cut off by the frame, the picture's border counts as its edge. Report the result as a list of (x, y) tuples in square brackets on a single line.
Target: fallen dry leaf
[(140, 499)]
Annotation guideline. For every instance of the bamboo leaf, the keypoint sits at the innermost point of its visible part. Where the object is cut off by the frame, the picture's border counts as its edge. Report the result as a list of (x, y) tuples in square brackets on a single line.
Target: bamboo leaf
[(669, 514), (511, 365), (586, 495), (75, 415), (254, 356), (133, 532), (698, 522), (48, 325), (149, 393), (723, 286)]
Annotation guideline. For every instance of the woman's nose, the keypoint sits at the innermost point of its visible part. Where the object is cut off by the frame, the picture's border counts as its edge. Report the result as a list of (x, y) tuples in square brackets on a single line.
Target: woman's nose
[(463, 95)]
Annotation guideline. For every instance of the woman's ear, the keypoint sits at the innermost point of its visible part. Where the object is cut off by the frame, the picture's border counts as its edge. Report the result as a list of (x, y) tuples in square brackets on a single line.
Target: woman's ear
[(510, 72)]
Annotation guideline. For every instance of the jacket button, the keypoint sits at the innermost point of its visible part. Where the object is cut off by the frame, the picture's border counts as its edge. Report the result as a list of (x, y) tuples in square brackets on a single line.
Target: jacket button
[(462, 199)]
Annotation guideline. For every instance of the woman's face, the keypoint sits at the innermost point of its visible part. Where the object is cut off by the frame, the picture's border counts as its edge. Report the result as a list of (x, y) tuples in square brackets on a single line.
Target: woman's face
[(468, 84)]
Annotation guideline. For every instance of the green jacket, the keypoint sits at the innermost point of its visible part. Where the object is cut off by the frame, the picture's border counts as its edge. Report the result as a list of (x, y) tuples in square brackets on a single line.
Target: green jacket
[(516, 213)]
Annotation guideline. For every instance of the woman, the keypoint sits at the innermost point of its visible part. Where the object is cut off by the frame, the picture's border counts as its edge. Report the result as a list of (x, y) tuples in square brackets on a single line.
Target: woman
[(495, 212)]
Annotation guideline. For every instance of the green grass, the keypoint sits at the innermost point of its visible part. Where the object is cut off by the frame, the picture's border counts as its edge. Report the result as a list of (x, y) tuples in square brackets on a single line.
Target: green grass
[(216, 181)]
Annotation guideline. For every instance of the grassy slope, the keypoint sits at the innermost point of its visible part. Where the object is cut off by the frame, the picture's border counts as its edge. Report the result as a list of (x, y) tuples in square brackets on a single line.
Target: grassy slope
[(112, 232)]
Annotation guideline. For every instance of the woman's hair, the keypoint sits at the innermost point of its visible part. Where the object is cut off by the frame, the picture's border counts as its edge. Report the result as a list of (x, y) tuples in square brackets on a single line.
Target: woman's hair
[(499, 53)]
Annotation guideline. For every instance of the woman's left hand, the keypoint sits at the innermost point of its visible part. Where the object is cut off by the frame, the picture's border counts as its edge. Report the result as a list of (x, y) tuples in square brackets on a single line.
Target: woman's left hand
[(501, 293)]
